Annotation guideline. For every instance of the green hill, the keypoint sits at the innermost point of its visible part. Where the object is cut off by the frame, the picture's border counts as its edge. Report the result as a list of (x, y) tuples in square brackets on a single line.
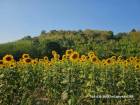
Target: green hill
[(104, 43)]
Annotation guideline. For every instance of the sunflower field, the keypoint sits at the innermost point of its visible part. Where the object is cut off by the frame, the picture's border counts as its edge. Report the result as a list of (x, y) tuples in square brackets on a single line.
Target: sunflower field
[(70, 79)]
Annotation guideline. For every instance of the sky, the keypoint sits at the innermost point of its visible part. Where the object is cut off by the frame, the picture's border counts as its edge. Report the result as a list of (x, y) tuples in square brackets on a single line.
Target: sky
[(19, 18)]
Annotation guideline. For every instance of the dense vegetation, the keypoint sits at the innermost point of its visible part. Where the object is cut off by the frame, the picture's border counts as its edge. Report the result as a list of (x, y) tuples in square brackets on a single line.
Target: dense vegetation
[(101, 64), (73, 80), (104, 43)]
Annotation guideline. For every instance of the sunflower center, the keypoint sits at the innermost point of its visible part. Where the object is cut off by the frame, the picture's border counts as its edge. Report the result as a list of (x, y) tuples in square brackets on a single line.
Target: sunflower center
[(1, 62), (28, 60), (74, 56), (94, 59), (108, 61), (137, 66), (8, 59), (12, 65)]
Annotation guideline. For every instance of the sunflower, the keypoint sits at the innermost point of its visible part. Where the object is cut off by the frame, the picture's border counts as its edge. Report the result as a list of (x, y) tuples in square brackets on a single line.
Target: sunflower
[(25, 56), (45, 58), (50, 63), (74, 56), (104, 64), (138, 61), (34, 62), (137, 66), (2, 66), (120, 58), (54, 52), (108, 61), (128, 60), (56, 56), (69, 52), (83, 58), (91, 54), (114, 58), (94, 59), (12, 65), (125, 62), (8, 58), (131, 58)]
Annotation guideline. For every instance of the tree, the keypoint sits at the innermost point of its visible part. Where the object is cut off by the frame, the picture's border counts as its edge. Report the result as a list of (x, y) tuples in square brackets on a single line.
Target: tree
[(133, 30), (43, 32), (27, 38)]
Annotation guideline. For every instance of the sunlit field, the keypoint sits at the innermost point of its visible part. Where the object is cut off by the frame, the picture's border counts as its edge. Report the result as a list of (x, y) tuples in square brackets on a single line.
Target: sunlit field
[(70, 79), (70, 52)]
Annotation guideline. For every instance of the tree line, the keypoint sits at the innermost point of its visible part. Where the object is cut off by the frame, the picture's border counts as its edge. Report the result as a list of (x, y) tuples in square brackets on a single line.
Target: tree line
[(103, 43)]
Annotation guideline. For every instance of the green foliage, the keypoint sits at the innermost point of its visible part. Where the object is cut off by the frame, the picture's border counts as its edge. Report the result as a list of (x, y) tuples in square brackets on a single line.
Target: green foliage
[(104, 43), (68, 84)]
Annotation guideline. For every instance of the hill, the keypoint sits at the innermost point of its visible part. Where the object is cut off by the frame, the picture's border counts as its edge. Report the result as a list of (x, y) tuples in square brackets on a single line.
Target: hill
[(104, 43)]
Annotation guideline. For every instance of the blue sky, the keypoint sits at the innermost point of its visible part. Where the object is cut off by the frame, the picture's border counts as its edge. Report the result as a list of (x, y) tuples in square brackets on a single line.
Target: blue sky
[(19, 18)]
